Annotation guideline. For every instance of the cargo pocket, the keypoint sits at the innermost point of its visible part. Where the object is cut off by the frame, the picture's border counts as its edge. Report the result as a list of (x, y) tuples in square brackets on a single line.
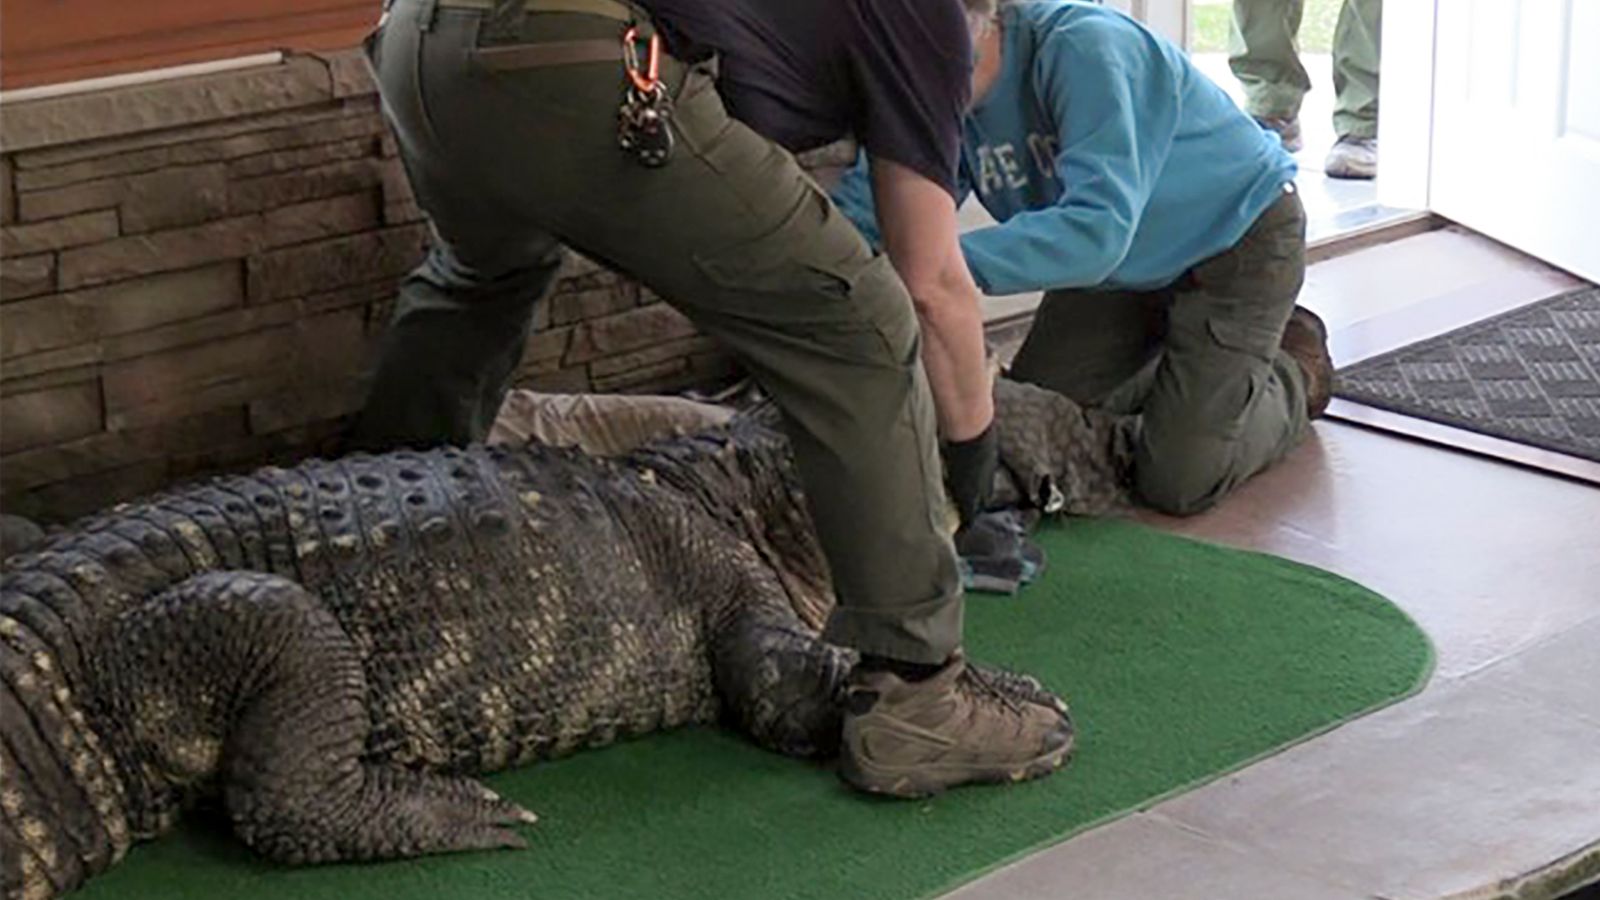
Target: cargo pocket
[(1238, 375), (798, 253), (1258, 341), (699, 118), (812, 275)]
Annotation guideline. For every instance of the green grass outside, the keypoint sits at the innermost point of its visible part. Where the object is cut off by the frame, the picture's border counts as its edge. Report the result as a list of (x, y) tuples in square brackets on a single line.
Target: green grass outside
[(1211, 21)]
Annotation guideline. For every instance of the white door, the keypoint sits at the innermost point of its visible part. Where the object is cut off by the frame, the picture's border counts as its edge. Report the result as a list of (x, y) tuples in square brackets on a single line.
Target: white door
[(1516, 125)]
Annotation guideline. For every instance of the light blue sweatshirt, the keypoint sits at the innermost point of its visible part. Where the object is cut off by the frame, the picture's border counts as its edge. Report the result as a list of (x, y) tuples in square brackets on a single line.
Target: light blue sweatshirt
[(1108, 159)]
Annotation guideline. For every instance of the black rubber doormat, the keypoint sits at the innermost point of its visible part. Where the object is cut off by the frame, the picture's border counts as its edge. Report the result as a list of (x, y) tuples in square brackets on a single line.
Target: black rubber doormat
[(1531, 375)]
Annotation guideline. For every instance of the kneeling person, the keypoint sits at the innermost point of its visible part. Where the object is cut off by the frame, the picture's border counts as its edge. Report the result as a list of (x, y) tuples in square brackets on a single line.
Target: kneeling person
[(1163, 225)]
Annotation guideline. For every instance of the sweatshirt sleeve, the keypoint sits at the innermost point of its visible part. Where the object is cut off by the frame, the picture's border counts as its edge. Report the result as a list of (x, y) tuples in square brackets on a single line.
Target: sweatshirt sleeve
[(1115, 98), (853, 196)]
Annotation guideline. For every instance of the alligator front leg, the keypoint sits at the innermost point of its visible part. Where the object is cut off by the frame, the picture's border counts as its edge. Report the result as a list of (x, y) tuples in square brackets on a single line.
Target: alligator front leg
[(246, 679), (781, 684), (784, 686)]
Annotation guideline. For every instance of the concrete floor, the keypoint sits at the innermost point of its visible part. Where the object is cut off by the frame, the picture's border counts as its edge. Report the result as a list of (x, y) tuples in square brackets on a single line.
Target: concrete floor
[(1490, 776)]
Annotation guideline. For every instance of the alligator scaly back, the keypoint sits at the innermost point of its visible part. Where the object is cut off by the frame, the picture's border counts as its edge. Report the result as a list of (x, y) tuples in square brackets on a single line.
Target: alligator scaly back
[(328, 649)]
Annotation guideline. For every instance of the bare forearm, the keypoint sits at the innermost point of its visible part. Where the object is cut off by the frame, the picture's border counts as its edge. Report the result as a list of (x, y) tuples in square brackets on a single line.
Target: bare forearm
[(918, 221), (954, 356)]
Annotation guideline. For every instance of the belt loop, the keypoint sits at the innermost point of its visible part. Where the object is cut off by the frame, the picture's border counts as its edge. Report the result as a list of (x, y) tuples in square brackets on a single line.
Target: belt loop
[(426, 11)]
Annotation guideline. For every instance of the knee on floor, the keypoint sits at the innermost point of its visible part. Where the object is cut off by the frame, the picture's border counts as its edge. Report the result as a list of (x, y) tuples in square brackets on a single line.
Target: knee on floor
[(1179, 489)]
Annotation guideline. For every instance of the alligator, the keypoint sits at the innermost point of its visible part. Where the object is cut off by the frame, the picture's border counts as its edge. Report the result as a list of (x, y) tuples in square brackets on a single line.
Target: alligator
[(329, 652)]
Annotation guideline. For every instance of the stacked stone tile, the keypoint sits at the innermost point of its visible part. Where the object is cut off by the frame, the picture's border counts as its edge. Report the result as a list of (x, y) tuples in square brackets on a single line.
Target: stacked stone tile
[(193, 274)]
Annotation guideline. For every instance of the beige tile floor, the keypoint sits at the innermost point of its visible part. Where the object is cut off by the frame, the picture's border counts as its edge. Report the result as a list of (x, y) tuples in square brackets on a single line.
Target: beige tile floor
[(1491, 775)]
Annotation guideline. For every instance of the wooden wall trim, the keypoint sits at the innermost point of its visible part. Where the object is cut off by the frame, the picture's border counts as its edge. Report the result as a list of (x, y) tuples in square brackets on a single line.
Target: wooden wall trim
[(51, 41)]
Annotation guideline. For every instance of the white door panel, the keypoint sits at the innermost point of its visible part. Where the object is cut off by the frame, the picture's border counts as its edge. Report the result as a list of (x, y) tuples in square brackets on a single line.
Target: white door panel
[(1516, 125), (1583, 78)]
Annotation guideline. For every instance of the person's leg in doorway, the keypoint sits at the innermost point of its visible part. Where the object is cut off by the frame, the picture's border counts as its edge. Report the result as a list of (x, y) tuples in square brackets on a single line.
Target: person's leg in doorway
[(1264, 55), (1357, 41)]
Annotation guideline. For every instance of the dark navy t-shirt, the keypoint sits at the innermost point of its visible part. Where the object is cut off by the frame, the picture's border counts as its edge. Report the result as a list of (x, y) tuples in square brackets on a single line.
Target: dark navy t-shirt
[(896, 74)]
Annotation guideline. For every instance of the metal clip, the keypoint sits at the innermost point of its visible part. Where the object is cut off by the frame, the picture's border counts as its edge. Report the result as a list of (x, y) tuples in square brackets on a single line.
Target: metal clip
[(644, 119), (644, 128)]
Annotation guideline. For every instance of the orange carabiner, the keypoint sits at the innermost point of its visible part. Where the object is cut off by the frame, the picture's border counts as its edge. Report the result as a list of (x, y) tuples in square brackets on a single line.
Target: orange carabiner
[(648, 81)]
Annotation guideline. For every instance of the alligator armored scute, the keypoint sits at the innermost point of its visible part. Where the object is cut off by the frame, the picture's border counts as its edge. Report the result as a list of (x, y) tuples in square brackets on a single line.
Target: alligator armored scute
[(330, 650)]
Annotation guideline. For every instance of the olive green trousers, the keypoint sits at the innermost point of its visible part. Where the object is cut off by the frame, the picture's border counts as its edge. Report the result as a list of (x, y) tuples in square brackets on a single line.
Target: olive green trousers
[(1265, 59), (1208, 396), (512, 163)]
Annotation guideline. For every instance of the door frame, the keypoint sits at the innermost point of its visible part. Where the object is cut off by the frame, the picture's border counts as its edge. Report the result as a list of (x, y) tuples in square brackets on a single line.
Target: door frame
[(1405, 104), (52, 42)]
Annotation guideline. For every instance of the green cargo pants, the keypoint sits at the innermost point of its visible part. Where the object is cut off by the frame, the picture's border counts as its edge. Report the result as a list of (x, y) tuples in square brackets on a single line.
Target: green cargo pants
[(510, 163), (1265, 60), (1209, 397)]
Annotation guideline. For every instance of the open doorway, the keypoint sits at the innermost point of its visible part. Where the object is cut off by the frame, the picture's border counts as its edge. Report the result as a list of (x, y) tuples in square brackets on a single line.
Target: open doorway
[(1488, 176), (1341, 213), (1490, 120), (1336, 207)]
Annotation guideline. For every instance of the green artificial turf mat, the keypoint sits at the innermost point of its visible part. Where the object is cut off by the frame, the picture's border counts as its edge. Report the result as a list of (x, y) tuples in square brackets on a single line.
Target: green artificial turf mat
[(1182, 661)]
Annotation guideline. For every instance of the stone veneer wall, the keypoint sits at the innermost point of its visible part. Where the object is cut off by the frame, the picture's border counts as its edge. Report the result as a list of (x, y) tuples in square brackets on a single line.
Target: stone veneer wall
[(193, 274)]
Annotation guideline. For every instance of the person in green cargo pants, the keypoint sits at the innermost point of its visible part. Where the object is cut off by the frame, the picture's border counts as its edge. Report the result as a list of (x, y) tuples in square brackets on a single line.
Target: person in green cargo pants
[(1265, 59), (510, 117)]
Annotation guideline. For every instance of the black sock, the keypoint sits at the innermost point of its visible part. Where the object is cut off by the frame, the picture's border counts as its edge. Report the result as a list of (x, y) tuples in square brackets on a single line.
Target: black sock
[(905, 671)]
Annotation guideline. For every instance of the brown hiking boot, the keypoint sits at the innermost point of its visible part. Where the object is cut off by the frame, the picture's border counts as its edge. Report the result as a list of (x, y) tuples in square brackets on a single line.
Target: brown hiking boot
[(1305, 339), (916, 738)]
